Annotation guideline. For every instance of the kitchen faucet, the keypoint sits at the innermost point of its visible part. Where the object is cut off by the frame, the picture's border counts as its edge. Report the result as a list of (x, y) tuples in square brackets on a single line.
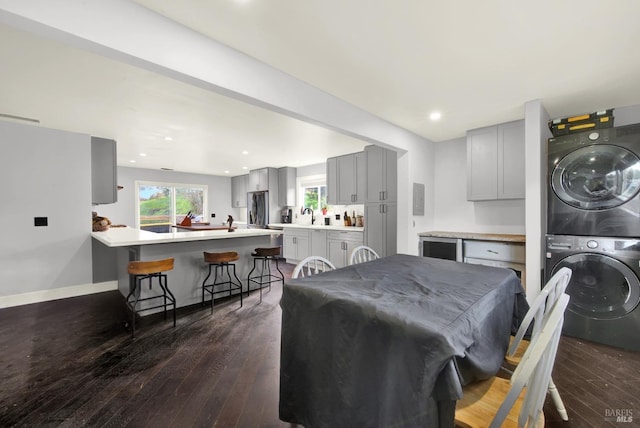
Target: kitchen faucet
[(309, 210)]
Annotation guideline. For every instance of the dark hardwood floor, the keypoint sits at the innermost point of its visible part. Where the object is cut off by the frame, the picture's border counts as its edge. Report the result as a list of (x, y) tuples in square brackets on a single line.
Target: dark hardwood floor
[(73, 363)]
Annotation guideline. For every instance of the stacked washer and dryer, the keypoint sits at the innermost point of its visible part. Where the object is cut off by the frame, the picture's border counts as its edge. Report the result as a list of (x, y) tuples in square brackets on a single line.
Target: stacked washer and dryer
[(593, 227)]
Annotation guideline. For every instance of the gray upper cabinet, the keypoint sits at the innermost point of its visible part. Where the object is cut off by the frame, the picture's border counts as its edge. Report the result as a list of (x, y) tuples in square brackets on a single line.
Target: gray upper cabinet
[(346, 179), (495, 162), (104, 172), (287, 186), (382, 174), (239, 186), (332, 181), (258, 179)]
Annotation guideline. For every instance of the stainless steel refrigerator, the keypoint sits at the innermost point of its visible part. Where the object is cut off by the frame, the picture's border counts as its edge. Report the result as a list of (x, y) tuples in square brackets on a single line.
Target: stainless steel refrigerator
[(257, 209)]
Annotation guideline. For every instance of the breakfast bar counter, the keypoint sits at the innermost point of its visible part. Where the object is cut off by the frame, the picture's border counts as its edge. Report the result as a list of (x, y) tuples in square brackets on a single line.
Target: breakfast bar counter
[(185, 280)]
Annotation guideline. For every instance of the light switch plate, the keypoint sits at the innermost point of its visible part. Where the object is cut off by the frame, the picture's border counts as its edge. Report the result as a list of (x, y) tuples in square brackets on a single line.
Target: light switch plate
[(418, 199)]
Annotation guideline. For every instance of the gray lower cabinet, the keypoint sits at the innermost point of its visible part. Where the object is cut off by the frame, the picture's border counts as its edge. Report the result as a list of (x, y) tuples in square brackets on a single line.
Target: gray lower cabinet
[(239, 185), (104, 172), (381, 227), (340, 245), (296, 244), (495, 162), (318, 243)]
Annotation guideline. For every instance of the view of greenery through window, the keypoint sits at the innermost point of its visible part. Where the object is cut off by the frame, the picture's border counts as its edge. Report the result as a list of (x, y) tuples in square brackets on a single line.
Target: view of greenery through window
[(159, 204), (315, 197)]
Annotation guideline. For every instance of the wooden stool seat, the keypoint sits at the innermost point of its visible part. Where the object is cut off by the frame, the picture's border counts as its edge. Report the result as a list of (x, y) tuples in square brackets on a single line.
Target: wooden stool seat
[(266, 252), (147, 267), (230, 256), (221, 262), (141, 270), (265, 277)]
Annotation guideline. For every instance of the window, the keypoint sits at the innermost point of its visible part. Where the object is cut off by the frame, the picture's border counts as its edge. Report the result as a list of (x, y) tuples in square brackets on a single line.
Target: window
[(313, 192), (160, 205)]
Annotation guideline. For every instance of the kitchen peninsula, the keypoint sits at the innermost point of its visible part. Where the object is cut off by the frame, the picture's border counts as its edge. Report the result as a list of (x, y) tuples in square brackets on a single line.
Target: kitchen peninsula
[(187, 248)]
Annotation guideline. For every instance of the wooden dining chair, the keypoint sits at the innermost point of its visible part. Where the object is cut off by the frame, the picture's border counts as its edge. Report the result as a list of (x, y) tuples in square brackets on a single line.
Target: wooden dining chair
[(538, 311), (362, 254), (312, 265), (518, 401)]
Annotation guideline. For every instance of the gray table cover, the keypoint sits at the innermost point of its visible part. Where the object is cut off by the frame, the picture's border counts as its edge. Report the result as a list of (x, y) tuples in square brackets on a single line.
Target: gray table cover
[(390, 343)]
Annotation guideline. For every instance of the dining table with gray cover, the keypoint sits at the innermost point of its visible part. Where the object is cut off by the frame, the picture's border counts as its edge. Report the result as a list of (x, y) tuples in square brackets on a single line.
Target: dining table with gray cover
[(391, 342)]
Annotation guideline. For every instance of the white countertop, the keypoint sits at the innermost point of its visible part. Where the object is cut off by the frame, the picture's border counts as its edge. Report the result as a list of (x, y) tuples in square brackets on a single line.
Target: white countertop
[(316, 227), (127, 236)]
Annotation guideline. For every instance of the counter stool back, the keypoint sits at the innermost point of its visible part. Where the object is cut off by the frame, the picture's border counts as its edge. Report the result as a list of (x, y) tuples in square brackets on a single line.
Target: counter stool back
[(221, 262), (265, 276), (141, 270)]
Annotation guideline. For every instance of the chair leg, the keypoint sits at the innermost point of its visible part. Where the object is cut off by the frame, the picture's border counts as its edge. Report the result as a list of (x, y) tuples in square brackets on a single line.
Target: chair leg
[(557, 400), (239, 282), (249, 277), (278, 268)]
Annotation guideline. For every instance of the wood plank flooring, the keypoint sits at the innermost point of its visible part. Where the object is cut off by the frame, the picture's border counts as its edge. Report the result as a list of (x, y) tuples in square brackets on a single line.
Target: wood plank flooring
[(72, 363)]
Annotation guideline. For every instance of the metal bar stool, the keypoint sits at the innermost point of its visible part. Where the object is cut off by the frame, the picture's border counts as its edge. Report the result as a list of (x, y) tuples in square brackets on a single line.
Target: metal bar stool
[(141, 270), (222, 262), (266, 277)]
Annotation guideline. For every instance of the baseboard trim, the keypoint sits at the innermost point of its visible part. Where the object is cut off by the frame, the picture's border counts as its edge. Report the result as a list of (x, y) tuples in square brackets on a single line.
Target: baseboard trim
[(56, 293)]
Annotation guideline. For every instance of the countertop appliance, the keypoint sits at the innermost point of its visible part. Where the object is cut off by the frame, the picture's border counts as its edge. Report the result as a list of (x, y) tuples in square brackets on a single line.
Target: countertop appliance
[(257, 209), (604, 287), (594, 183), (441, 248)]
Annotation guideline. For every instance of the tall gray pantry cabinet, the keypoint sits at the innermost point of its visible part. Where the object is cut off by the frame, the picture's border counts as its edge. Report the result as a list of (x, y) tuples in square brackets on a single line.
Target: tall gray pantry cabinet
[(381, 207)]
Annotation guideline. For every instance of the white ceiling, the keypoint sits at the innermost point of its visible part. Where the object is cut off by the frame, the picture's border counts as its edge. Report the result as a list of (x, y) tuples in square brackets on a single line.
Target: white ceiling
[(476, 62)]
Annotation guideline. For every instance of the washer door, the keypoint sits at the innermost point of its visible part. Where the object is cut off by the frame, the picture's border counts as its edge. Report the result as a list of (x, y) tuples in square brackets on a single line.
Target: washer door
[(601, 287), (597, 177)]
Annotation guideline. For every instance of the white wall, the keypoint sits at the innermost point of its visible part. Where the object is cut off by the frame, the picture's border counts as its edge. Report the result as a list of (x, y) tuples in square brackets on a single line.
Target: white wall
[(453, 213), (123, 211), (415, 166), (44, 173)]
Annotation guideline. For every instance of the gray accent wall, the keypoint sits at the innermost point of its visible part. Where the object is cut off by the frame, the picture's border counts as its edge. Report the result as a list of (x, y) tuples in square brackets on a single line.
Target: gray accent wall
[(44, 173)]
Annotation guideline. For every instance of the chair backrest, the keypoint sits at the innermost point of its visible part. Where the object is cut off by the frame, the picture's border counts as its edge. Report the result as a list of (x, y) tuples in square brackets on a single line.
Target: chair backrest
[(362, 254), (542, 306), (534, 370), (312, 265)]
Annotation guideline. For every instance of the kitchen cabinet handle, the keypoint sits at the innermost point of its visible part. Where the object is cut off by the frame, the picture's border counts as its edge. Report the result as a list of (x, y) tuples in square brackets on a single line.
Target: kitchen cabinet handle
[(384, 195), (493, 252)]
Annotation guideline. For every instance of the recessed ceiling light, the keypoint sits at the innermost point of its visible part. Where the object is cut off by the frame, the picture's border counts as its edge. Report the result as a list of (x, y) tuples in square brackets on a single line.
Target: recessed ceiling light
[(168, 138), (132, 161), (143, 154), (244, 152), (436, 115), (245, 167)]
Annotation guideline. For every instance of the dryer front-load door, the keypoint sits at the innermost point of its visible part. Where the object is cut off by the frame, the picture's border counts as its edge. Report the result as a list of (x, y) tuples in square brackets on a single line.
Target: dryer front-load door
[(601, 287), (597, 177)]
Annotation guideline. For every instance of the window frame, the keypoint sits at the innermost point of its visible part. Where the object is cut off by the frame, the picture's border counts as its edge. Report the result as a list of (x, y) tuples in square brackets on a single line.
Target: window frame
[(319, 180), (172, 186)]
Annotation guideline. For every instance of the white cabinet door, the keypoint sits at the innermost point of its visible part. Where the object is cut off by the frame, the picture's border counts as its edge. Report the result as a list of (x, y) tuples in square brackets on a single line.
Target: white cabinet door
[(346, 179), (360, 163), (511, 160), (303, 244), (482, 164)]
